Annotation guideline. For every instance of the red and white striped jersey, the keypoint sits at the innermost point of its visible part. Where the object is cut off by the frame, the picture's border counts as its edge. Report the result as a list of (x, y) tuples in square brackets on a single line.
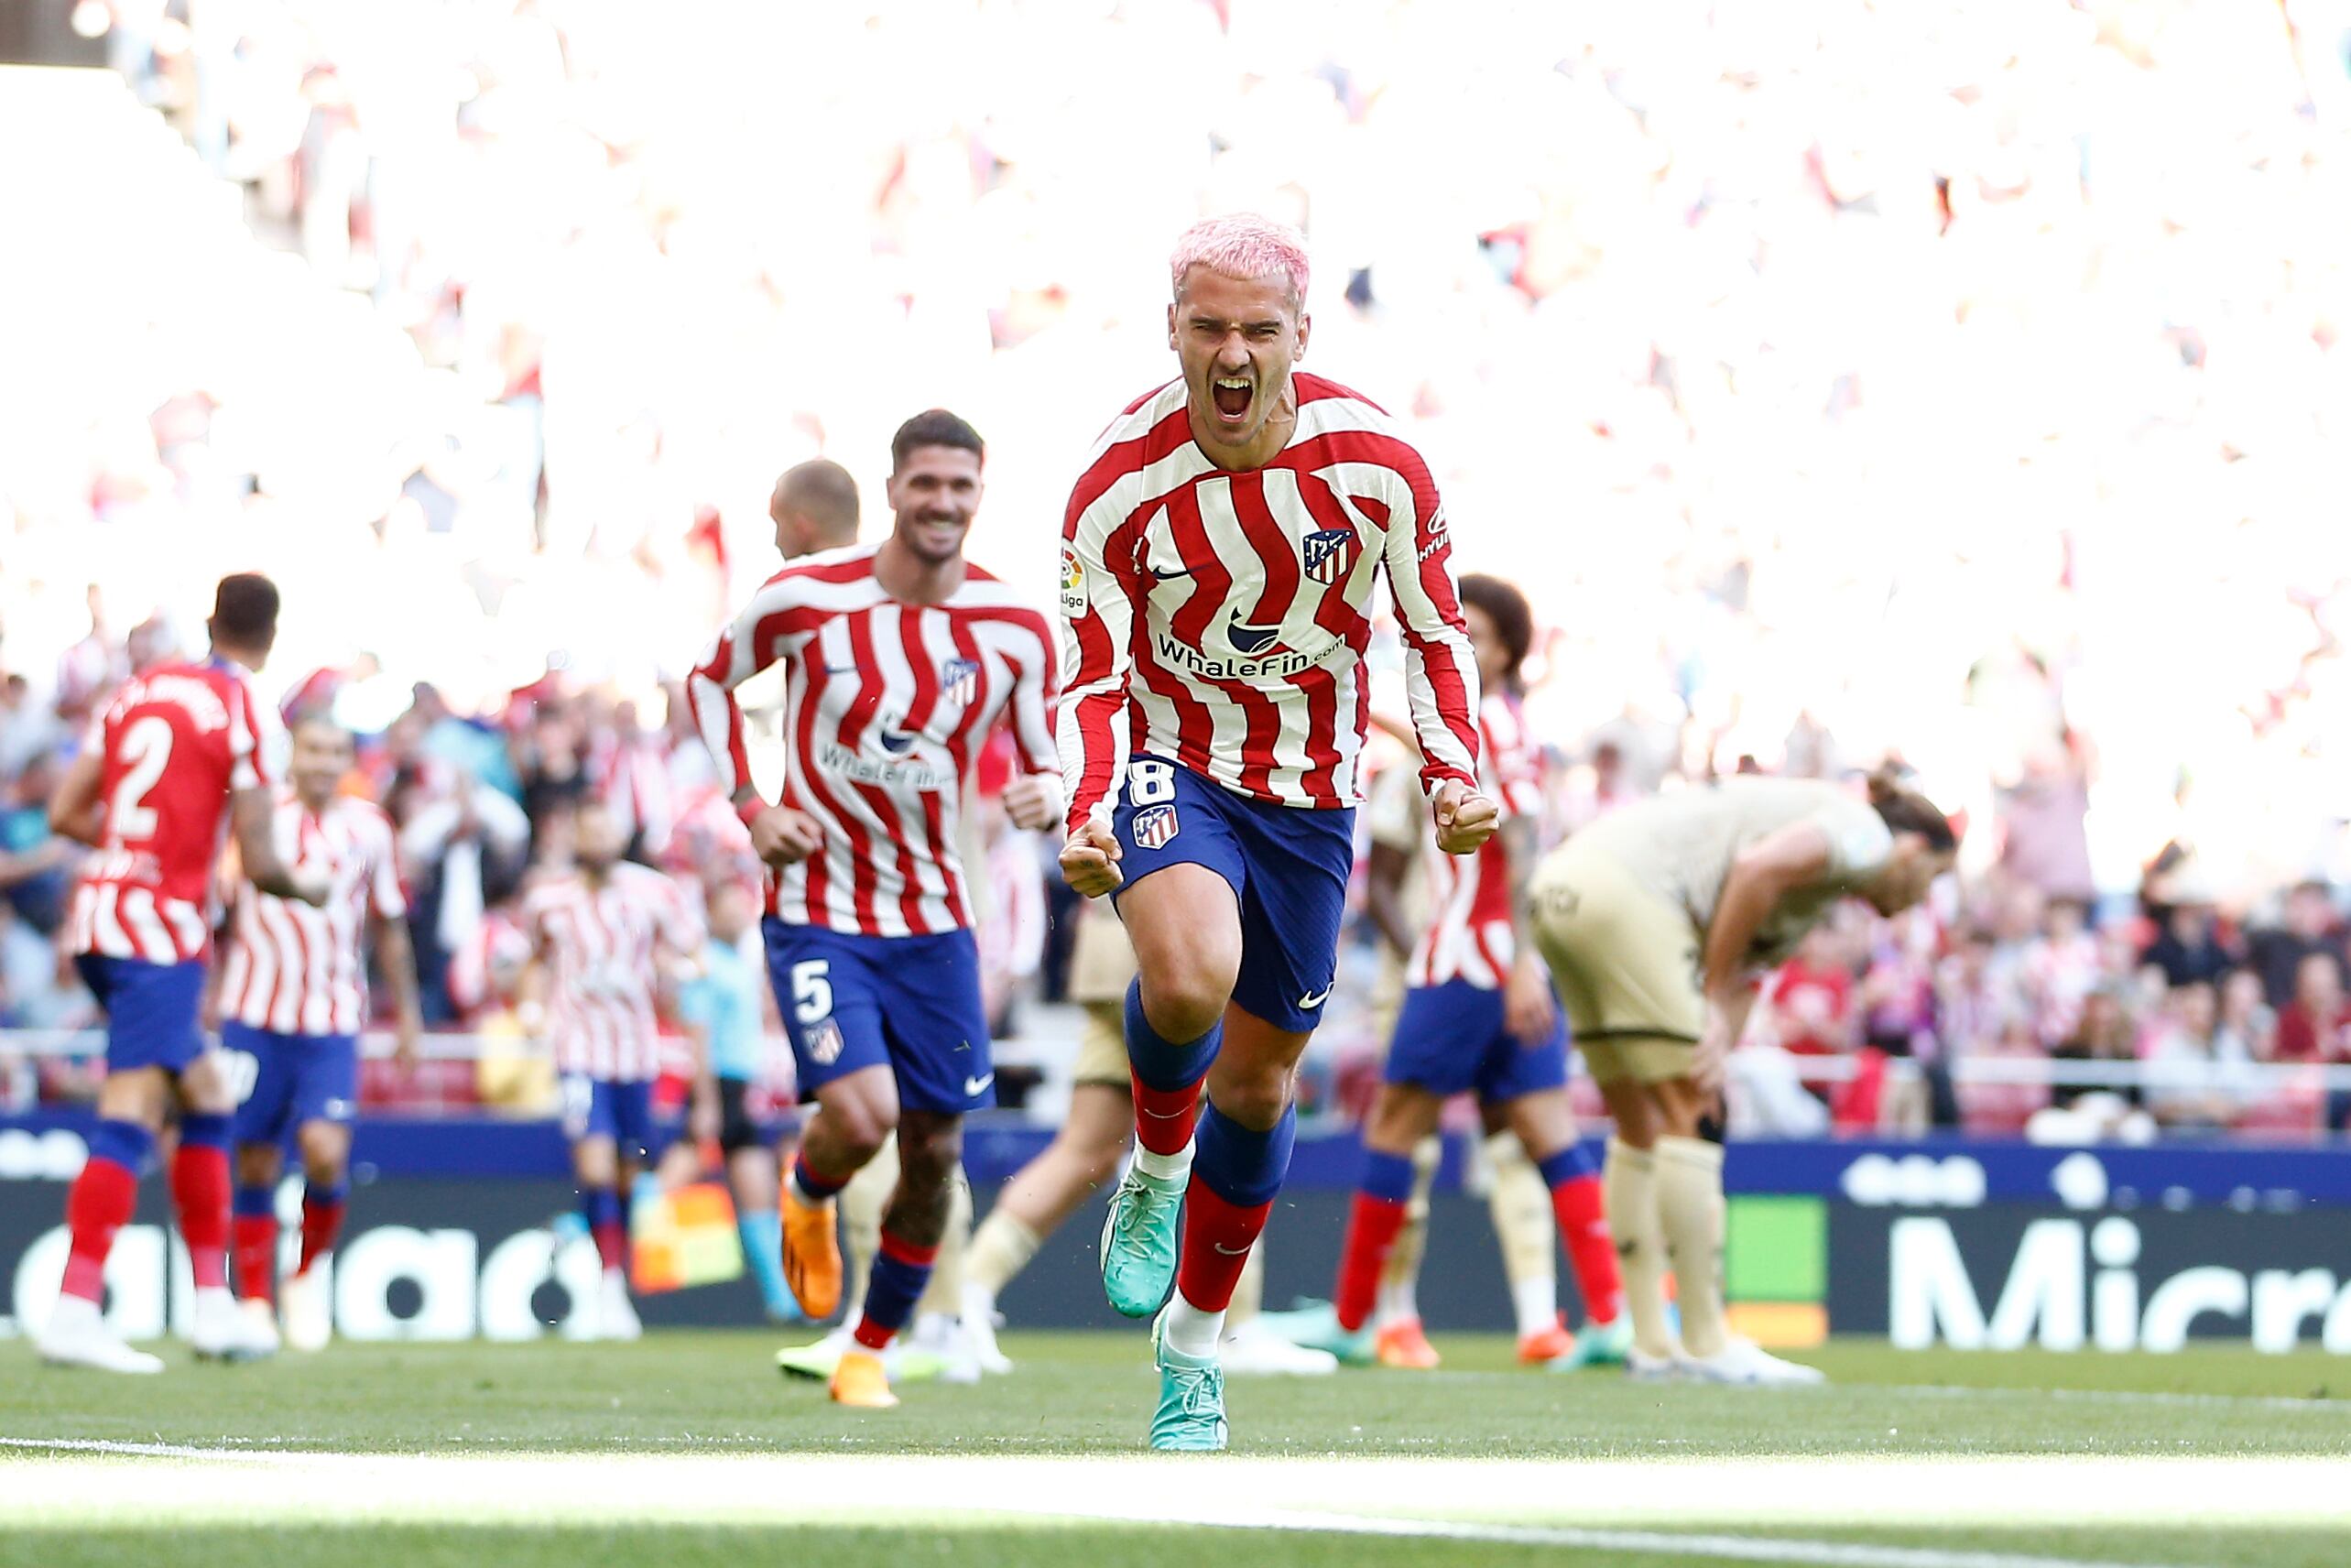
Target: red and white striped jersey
[(177, 739), (295, 969), (600, 944), (1219, 620), (884, 705), (1469, 936)]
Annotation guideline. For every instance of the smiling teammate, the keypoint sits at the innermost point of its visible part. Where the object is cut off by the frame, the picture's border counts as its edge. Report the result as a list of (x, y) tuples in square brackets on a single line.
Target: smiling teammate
[(898, 658), (1218, 560), (293, 996)]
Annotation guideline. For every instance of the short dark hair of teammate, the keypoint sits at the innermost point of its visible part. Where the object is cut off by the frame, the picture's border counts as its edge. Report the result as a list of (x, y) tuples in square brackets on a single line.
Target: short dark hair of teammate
[(245, 612), (1513, 618), (934, 426), (1904, 809), (814, 507)]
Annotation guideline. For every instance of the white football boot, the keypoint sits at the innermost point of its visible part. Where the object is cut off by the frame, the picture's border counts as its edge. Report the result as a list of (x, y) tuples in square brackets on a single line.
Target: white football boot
[(1745, 1363), (222, 1330), (77, 1335), (1643, 1367), (616, 1315), (1252, 1349), (303, 1307)]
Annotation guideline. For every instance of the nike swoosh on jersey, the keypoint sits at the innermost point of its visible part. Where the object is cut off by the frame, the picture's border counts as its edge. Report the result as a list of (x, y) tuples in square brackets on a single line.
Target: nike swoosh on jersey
[(1317, 999), (1170, 576), (972, 1086)]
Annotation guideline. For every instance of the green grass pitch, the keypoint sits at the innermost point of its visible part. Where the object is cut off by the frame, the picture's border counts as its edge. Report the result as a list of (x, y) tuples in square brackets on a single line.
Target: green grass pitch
[(691, 1449)]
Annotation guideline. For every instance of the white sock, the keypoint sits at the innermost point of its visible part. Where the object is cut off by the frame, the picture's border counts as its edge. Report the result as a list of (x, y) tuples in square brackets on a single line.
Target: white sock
[(1397, 1303), (979, 1304), (1166, 1167), (1191, 1331), (1536, 1301)]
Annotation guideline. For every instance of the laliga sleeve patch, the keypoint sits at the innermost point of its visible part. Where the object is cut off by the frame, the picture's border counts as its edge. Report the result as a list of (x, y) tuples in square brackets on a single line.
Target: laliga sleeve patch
[(1153, 828), (1073, 595)]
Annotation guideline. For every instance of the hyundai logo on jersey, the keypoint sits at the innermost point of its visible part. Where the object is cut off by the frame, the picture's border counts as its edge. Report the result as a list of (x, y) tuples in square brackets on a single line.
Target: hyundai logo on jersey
[(958, 679), (1329, 553)]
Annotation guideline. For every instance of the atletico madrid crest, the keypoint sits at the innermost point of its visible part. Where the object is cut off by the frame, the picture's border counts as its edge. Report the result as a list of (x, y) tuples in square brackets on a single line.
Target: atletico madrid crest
[(1154, 827), (1330, 554), (959, 680)]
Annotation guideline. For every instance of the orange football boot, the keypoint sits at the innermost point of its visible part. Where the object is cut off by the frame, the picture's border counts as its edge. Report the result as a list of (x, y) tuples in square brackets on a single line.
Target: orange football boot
[(811, 1253), (1402, 1343), (1545, 1346), (859, 1380)]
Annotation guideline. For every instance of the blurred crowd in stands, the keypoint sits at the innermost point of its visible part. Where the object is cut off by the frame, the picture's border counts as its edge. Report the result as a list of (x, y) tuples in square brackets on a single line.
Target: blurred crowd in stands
[(1958, 381)]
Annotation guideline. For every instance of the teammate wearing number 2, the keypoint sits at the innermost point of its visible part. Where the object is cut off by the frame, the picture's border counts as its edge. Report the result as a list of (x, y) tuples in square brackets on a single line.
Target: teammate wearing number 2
[(1218, 560), (899, 658), (182, 751)]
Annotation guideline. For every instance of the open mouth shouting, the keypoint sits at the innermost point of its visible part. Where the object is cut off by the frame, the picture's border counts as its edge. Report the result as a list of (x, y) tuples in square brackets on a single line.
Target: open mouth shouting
[(1233, 395)]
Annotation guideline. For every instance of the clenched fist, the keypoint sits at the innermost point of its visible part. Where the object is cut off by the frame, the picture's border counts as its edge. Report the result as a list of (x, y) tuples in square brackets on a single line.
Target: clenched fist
[(1090, 860), (1033, 800), (781, 836), (1465, 819)]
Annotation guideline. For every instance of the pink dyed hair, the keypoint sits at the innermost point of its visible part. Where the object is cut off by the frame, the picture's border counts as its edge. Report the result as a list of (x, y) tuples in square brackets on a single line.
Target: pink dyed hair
[(1242, 245)]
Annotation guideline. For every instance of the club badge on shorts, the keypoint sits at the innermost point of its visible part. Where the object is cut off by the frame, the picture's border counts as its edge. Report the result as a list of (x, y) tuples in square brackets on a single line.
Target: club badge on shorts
[(1153, 827), (824, 1041)]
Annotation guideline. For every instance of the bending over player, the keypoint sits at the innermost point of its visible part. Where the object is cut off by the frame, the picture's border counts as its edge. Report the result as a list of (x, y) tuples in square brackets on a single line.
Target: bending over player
[(293, 999), (1219, 555), (1655, 921), (181, 748), (898, 658), (1479, 1013), (597, 935)]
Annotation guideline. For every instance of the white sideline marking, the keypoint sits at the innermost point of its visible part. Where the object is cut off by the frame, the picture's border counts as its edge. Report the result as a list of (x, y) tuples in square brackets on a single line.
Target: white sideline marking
[(1729, 1547), (1596, 1506), (137, 1450)]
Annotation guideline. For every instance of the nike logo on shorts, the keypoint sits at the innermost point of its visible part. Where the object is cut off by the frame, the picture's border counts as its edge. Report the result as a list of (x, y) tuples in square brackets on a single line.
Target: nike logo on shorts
[(973, 1087), (1241, 1251), (1317, 999)]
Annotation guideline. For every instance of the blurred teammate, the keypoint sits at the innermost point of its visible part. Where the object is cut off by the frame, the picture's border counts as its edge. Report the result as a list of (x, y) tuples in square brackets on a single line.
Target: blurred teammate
[(597, 935), (180, 751), (1480, 1015), (293, 999), (726, 1003), (1218, 558), (1657, 921), (898, 658)]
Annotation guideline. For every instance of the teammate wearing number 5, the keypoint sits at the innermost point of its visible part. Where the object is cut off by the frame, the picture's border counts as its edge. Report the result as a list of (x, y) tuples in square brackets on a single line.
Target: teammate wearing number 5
[(1218, 561), (183, 749), (899, 658)]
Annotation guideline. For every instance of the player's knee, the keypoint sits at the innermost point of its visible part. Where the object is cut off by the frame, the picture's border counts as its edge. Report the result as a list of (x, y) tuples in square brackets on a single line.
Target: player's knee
[(1188, 999), (928, 1156), (1255, 1099)]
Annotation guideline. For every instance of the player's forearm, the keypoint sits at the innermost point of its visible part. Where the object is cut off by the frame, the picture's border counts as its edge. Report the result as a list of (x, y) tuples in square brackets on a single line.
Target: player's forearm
[(1746, 902), (718, 721), (1521, 842), (1384, 897), (1093, 751), (74, 811)]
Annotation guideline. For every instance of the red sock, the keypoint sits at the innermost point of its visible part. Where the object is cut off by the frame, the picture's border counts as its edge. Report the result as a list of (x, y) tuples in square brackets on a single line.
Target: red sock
[(253, 1239), (611, 1245), (1217, 1237), (199, 1187), (98, 1204), (1164, 1117), (1372, 1225), (322, 1223), (1591, 1250)]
